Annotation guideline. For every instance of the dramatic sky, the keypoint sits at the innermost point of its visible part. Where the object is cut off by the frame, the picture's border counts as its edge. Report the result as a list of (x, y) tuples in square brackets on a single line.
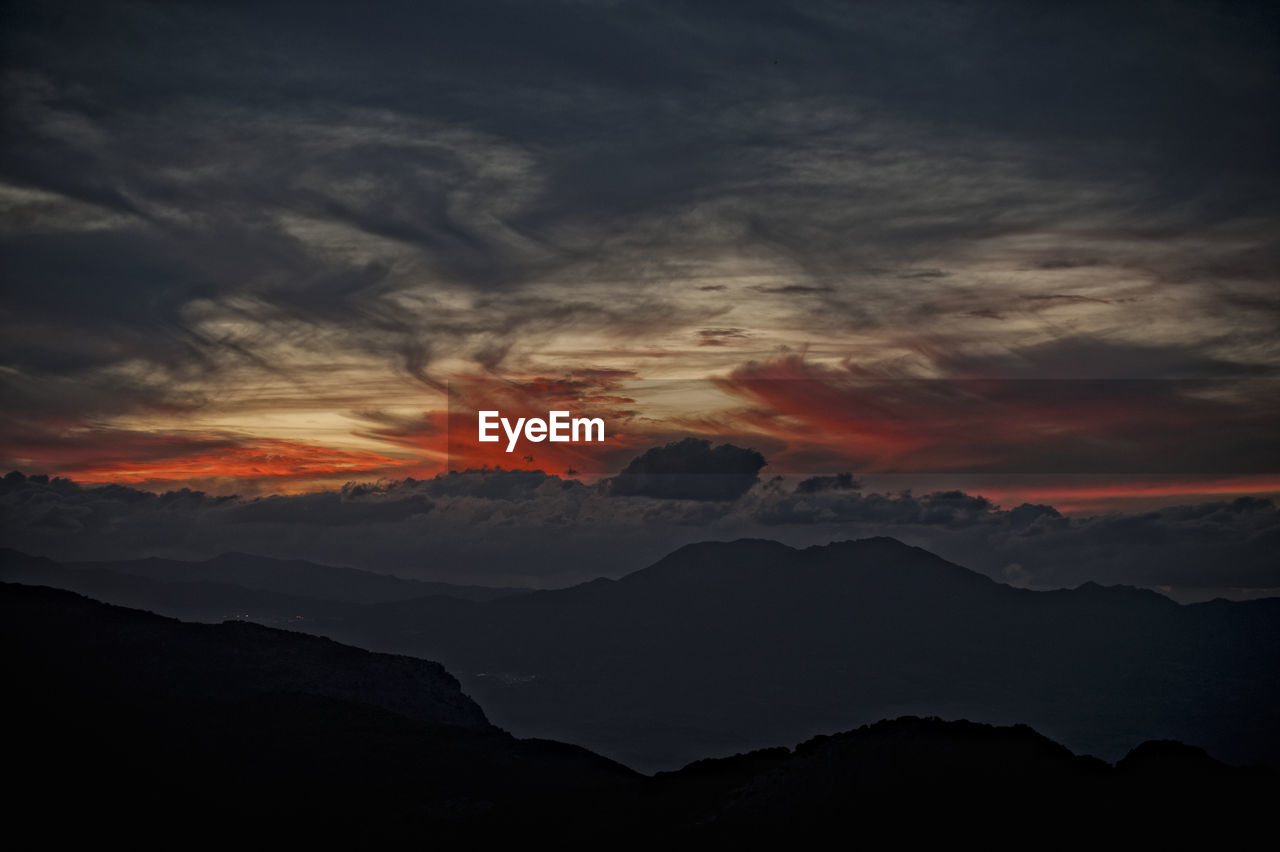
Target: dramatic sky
[(1026, 250)]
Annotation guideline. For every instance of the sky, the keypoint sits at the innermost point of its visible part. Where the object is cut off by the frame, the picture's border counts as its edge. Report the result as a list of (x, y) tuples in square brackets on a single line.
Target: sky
[(1027, 252)]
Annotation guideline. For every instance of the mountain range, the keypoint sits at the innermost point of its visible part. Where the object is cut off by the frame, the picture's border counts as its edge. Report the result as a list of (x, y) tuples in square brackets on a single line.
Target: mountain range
[(723, 647), (122, 722)]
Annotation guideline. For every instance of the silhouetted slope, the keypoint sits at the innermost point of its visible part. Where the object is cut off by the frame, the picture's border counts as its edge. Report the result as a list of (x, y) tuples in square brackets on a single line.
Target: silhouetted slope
[(114, 654), (229, 583), (927, 777), (191, 601), (945, 764), (295, 577), (721, 647), (122, 723)]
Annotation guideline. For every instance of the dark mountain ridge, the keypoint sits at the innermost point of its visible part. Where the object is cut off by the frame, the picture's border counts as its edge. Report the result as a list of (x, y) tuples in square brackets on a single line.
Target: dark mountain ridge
[(294, 577), (121, 721), (725, 645), (121, 655), (125, 720), (722, 647)]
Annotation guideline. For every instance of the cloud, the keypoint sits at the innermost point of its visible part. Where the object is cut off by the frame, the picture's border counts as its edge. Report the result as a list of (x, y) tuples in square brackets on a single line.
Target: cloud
[(530, 528), (690, 469), (1009, 423), (218, 459), (720, 336), (796, 289), (418, 431), (350, 194), (285, 249), (1088, 357), (838, 482)]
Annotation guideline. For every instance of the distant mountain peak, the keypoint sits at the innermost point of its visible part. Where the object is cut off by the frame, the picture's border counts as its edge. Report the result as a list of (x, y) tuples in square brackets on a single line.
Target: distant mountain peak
[(771, 564), (1132, 594), (869, 541)]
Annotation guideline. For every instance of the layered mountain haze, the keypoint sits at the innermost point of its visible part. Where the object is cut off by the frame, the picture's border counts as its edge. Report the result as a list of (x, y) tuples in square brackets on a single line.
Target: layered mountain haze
[(233, 586), (721, 647), (267, 735), (724, 646), (291, 577)]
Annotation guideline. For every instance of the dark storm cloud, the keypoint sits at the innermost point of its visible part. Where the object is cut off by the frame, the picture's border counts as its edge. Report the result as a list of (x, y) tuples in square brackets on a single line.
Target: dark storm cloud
[(690, 469), (838, 482)]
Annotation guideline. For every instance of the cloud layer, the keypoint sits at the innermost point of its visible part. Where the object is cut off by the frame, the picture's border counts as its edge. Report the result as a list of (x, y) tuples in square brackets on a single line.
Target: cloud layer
[(214, 234), (529, 528)]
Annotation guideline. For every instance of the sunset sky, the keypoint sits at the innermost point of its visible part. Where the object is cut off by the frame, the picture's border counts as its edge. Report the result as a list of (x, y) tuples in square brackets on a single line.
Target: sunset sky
[(248, 248)]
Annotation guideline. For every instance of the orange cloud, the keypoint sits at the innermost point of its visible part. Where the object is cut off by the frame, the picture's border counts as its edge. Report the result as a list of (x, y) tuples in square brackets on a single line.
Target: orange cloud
[(1090, 497), (171, 459)]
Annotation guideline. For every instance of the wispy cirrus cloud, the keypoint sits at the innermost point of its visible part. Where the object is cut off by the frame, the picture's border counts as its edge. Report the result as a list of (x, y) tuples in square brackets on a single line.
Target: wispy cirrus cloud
[(230, 233)]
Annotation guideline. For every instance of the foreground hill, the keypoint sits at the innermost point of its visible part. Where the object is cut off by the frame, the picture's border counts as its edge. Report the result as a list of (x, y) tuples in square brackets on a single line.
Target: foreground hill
[(124, 723), (96, 654), (116, 717), (725, 647)]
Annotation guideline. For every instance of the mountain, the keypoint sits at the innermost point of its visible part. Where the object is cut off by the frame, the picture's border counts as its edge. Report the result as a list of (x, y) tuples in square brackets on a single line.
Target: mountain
[(124, 722), (725, 647), (722, 647), (928, 778), (294, 577), (192, 601), (280, 593), (100, 653)]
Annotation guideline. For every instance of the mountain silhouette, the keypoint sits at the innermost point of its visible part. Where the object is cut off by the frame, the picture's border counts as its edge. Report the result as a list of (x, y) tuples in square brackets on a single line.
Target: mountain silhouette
[(929, 778), (124, 721), (721, 646), (193, 730), (275, 592), (124, 655), (725, 647), (293, 577)]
